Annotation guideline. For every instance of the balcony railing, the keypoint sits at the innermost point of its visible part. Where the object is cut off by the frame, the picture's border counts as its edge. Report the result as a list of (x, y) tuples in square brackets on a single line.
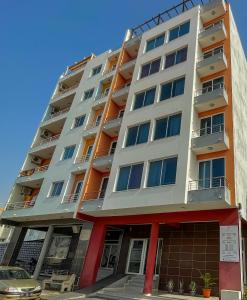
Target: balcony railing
[(210, 54), (214, 25), (73, 198), (208, 130), (95, 195), (102, 95), (49, 140), (210, 89), (34, 171), (21, 204), (56, 114), (208, 183), (82, 159), (62, 92), (104, 153)]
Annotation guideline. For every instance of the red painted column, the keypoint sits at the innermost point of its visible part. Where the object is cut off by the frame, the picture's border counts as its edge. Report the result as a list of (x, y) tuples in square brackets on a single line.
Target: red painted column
[(93, 256), (151, 258), (230, 273)]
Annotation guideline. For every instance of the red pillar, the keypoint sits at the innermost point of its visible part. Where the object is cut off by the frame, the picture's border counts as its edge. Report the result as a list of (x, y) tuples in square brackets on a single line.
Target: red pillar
[(230, 273), (151, 258), (93, 256)]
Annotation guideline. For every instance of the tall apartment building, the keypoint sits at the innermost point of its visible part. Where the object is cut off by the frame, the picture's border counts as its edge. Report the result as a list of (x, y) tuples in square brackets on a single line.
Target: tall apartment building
[(139, 165)]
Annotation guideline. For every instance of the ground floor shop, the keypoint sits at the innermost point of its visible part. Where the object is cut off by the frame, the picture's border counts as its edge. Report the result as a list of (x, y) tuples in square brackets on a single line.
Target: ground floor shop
[(174, 248)]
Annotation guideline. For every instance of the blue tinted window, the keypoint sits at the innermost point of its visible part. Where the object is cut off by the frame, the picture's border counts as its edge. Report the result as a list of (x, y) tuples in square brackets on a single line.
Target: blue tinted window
[(156, 42), (56, 189), (68, 152), (178, 87), (145, 98), (176, 57), (138, 134), (160, 129), (174, 125), (172, 89), (168, 126), (154, 173), (130, 177), (179, 31), (184, 28), (166, 91), (88, 94), (79, 121), (150, 68), (132, 136)]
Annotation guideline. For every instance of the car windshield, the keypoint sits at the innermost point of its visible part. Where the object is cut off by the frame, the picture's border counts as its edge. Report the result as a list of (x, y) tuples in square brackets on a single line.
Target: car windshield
[(13, 274)]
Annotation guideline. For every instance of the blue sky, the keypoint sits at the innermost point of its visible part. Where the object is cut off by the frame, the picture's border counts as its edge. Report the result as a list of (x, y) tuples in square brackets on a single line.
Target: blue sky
[(39, 39)]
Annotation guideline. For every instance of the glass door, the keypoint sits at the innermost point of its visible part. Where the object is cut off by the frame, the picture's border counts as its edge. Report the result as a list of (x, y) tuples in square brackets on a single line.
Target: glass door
[(104, 184), (212, 173), (89, 151), (78, 190), (137, 256)]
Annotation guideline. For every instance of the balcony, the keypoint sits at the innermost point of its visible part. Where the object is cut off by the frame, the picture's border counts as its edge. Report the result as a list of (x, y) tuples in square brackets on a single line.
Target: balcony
[(127, 69), (92, 205), (120, 96), (212, 191), (211, 64), (212, 35), (211, 97), (54, 116), (100, 100), (62, 93), (70, 199), (46, 142), (103, 161), (21, 204), (210, 139), (91, 130), (32, 174), (213, 10), (81, 163), (108, 74), (112, 126)]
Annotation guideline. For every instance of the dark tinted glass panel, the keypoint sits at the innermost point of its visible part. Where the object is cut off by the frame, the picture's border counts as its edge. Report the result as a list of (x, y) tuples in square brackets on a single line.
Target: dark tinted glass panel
[(131, 137), (159, 40), (135, 176), (184, 28), (143, 133), (123, 178), (178, 87), (139, 99), (154, 173), (173, 34), (181, 55), (149, 97), (166, 90), (150, 45), (145, 71), (169, 171), (170, 60), (174, 125), (160, 129), (155, 66)]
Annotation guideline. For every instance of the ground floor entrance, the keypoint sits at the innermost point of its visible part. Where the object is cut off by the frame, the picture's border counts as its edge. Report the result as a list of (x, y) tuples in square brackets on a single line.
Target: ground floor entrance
[(176, 248)]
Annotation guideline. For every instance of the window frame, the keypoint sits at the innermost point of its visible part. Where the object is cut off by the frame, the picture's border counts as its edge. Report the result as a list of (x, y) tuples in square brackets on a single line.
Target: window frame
[(179, 29), (85, 97), (172, 82), (98, 69), (176, 53), (78, 118), (51, 194), (157, 160), (138, 130), (129, 175), (155, 41), (150, 66), (145, 93), (68, 148)]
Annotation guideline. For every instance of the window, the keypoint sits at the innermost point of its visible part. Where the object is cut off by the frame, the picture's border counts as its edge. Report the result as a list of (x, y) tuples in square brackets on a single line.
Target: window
[(212, 124), (121, 113), (212, 85), (162, 172), (137, 134), (56, 189), (168, 126), (98, 119), (79, 121), (130, 177), (68, 152), (96, 70), (212, 173), (179, 31), (156, 42), (172, 89), (89, 151), (113, 147), (145, 98), (150, 68), (213, 52), (103, 187), (88, 94), (176, 57)]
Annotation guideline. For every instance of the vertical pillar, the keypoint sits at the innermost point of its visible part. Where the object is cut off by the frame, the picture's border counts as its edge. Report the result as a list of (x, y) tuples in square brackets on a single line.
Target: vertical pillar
[(230, 273), (43, 252), (93, 256), (14, 246), (151, 259)]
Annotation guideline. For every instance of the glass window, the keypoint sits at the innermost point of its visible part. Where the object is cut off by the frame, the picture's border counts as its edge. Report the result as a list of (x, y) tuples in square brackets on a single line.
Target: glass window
[(212, 124), (172, 89), (68, 152), (137, 134), (176, 57), (130, 177), (156, 42), (212, 173), (150, 68), (145, 98), (211, 85), (88, 94), (162, 172), (96, 70), (168, 126), (56, 189), (179, 31), (79, 121)]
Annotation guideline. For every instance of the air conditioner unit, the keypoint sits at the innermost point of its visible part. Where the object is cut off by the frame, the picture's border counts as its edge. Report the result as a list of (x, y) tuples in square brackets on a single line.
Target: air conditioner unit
[(36, 160), (46, 134), (26, 190)]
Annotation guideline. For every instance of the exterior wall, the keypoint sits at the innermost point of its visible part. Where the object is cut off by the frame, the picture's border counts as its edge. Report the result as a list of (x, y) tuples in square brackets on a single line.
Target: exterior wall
[(239, 94), (174, 194)]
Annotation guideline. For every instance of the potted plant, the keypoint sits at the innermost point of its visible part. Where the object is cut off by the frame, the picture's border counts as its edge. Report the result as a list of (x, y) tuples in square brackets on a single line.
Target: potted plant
[(208, 282), (192, 287), (181, 287), (170, 286)]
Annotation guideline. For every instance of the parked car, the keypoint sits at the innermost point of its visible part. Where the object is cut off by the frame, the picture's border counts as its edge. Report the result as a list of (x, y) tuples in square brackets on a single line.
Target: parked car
[(16, 283)]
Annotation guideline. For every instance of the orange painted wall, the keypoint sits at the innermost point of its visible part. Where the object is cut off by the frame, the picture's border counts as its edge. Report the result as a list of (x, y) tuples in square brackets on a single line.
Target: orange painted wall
[(78, 177), (88, 143), (227, 110)]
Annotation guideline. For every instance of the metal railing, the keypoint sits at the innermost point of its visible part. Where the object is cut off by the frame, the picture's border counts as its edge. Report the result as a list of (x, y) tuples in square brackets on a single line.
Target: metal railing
[(62, 92), (92, 126), (101, 96), (56, 114), (210, 89), (208, 183), (21, 204), (73, 198), (112, 118), (128, 63), (50, 139), (214, 53), (208, 130), (123, 88), (103, 153), (82, 159), (95, 195), (217, 24), (33, 171)]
